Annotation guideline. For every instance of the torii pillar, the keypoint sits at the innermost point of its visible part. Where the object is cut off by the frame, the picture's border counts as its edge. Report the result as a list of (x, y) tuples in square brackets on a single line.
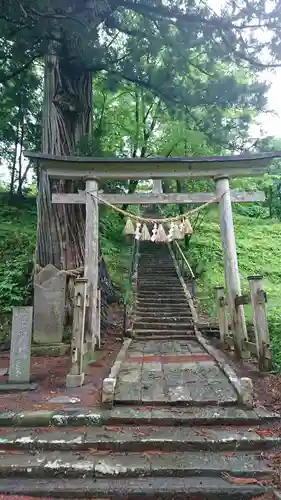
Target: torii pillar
[(157, 186), (91, 263), (231, 272)]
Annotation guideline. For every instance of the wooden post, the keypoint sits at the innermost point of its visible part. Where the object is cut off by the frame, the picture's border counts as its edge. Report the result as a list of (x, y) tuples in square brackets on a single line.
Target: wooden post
[(258, 299), (75, 377), (222, 313), (232, 278), (98, 318), (91, 265), (157, 186)]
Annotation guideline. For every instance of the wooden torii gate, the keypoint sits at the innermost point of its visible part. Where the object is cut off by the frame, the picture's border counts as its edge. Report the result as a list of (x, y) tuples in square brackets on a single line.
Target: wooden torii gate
[(220, 168)]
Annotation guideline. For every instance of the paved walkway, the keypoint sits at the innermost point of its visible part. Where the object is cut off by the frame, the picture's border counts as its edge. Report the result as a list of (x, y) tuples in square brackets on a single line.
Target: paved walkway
[(172, 372)]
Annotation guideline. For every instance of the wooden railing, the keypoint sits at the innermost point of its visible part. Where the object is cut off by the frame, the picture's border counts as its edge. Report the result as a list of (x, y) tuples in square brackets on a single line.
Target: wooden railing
[(184, 266), (130, 286), (81, 344), (259, 346)]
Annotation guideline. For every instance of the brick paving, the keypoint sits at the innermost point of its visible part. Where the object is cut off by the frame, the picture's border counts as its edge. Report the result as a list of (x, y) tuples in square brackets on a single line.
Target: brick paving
[(177, 371)]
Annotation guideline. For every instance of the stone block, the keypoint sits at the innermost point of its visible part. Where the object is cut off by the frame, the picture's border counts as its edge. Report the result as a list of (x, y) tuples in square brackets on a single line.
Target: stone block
[(74, 380), (50, 350), (108, 388), (247, 391), (49, 306), (19, 368)]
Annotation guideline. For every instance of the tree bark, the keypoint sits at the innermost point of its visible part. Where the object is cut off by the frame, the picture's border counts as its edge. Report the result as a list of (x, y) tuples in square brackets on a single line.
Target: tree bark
[(20, 176), (14, 165), (67, 122)]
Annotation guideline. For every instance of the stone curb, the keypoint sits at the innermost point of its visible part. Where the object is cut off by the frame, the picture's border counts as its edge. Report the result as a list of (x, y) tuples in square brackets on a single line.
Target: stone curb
[(187, 440), (121, 488), (173, 464), (52, 418), (243, 386), (109, 383), (84, 417)]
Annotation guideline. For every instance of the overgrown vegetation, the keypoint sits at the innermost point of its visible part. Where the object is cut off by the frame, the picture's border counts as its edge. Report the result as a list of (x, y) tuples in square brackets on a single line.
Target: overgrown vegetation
[(17, 245), (259, 252), (169, 79)]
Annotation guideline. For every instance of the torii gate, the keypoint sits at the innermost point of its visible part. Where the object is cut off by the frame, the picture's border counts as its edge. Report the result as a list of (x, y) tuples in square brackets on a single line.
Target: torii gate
[(219, 168)]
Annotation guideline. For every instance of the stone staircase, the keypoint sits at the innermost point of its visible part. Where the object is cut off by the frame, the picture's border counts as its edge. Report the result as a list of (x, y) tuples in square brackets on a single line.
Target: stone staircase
[(179, 433), (162, 310)]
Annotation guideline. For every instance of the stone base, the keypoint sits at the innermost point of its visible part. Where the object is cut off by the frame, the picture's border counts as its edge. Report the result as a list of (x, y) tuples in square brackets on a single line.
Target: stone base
[(74, 380), (108, 388), (50, 350), (17, 386), (247, 391)]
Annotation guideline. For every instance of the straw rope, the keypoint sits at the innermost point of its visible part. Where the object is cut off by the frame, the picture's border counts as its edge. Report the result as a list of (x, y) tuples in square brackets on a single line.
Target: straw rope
[(141, 219)]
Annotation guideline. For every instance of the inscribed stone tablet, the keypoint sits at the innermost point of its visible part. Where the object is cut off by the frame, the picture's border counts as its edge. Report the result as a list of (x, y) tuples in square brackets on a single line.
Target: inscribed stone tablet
[(19, 369), (49, 310)]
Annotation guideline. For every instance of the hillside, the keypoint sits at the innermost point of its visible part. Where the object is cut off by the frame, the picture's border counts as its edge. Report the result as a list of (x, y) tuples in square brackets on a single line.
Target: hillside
[(17, 245), (258, 246), (259, 252)]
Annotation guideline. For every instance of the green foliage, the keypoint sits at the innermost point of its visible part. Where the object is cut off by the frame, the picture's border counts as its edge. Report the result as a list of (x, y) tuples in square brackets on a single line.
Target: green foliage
[(274, 324), (259, 252), (113, 246), (17, 243)]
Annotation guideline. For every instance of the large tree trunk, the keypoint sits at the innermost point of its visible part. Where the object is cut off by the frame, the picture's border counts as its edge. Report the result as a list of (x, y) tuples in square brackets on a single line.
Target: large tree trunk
[(67, 120)]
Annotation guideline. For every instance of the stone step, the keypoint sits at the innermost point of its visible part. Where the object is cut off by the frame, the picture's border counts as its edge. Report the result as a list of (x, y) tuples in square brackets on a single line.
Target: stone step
[(163, 318), (157, 488), (159, 281), (161, 294), (150, 273), (166, 288), (158, 313), (142, 438), (161, 308), (161, 278), (157, 332), (190, 416), (163, 298), (145, 415), (163, 326), (158, 286), (147, 271), (154, 265), (157, 305), (179, 299), (172, 336), (154, 268), (50, 464)]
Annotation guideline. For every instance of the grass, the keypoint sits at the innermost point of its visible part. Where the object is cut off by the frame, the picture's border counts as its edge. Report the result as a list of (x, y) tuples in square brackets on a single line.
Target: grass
[(17, 245), (258, 243)]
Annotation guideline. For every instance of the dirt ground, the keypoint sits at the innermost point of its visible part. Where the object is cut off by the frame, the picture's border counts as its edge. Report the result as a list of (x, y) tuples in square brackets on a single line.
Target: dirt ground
[(50, 375)]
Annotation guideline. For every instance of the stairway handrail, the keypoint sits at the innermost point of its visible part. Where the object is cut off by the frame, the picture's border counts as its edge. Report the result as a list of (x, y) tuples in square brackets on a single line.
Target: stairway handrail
[(184, 258), (129, 281)]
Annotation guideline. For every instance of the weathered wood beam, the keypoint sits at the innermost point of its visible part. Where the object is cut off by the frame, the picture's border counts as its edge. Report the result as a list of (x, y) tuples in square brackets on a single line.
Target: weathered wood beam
[(91, 266), (173, 173), (158, 198), (231, 272), (69, 167), (157, 186)]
